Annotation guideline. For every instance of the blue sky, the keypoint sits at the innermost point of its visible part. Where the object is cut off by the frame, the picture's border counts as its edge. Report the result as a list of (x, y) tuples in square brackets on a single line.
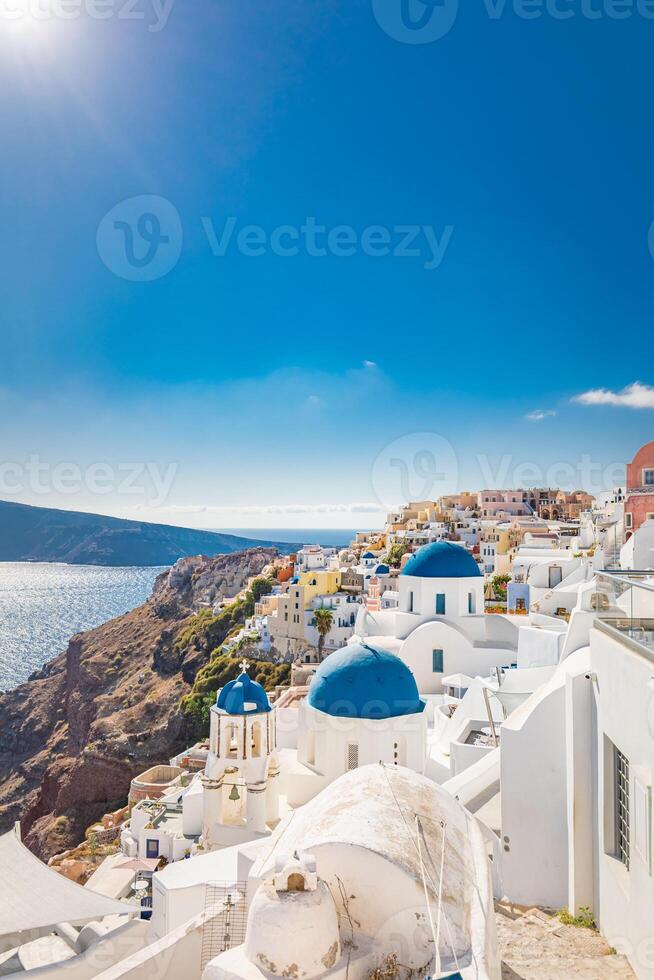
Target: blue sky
[(282, 390)]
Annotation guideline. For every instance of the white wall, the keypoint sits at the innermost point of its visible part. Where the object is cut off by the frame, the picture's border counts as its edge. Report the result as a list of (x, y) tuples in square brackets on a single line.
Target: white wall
[(176, 957), (539, 647), (642, 555), (533, 800), (460, 656), (455, 590), (179, 891), (625, 716), (171, 847), (324, 740), (287, 727), (192, 815), (97, 958), (539, 572), (579, 786)]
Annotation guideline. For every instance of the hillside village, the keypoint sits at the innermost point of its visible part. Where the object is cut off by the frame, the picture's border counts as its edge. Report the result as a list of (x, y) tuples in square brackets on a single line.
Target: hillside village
[(458, 705), (499, 529)]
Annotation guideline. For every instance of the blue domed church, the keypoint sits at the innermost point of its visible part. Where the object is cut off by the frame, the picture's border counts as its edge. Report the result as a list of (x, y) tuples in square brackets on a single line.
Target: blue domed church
[(362, 681), (439, 627), (240, 785), (363, 707)]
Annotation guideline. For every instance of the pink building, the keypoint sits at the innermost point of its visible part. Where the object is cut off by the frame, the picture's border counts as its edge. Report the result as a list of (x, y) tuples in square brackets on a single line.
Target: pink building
[(639, 502), (511, 502)]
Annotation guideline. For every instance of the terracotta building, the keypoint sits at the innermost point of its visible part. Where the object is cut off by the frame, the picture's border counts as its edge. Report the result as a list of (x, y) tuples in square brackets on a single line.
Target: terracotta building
[(639, 503)]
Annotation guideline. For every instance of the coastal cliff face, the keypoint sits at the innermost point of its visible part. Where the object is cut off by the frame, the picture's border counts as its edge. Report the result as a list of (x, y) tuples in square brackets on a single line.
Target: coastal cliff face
[(80, 729)]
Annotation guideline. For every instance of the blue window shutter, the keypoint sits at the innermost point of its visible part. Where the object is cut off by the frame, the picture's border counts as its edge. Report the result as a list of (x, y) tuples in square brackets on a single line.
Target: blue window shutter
[(437, 661), (440, 604)]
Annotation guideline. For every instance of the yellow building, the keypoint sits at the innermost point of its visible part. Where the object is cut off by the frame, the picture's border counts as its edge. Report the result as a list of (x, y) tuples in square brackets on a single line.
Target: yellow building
[(267, 605), (319, 582), (288, 625), (374, 541)]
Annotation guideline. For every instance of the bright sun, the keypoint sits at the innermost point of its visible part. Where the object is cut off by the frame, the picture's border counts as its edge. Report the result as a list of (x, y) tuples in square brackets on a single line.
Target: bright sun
[(31, 31), (27, 18)]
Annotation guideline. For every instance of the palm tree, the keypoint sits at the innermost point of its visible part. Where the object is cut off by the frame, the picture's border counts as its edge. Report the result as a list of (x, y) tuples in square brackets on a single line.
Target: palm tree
[(324, 622)]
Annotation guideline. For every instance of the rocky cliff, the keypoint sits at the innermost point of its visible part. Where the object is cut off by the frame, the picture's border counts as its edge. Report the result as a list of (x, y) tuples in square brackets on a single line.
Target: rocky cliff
[(75, 734)]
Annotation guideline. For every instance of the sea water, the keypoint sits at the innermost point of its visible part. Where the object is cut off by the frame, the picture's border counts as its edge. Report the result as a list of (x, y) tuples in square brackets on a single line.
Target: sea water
[(43, 605)]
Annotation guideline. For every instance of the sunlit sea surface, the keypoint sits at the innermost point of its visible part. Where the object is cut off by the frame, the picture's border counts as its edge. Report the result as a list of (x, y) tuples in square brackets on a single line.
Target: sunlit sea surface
[(43, 605)]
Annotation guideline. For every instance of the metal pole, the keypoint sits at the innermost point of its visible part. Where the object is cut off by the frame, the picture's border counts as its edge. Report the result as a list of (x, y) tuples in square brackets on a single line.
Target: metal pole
[(490, 718)]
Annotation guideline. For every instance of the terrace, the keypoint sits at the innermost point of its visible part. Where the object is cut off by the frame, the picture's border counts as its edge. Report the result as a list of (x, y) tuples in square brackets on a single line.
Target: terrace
[(155, 782), (624, 602)]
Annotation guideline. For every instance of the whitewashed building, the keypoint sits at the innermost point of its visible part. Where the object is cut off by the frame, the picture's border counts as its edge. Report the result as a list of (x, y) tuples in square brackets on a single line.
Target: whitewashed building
[(439, 626), (363, 707), (240, 789), (575, 773)]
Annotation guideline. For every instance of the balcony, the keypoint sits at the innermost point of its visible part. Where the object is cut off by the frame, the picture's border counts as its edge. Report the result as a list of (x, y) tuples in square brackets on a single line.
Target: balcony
[(624, 602)]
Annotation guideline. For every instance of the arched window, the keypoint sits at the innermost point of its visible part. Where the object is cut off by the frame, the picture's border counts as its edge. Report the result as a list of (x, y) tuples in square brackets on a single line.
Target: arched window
[(232, 739), (256, 740)]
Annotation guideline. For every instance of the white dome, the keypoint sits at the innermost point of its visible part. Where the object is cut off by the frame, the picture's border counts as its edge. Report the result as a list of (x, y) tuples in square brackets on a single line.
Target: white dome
[(308, 916)]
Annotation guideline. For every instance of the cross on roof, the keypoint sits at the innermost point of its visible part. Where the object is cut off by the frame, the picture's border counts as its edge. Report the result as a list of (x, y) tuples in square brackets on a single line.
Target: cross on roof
[(244, 665)]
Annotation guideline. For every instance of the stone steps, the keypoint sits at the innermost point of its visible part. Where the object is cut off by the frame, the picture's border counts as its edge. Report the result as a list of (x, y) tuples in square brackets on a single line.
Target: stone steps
[(535, 945)]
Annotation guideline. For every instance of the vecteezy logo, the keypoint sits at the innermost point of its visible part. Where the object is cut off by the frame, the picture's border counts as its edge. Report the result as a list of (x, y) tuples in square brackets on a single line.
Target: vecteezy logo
[(140, 239), (418, 466), (416, 21)]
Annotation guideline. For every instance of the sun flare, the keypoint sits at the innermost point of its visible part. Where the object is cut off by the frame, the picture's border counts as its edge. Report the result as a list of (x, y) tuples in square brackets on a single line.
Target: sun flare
[(35, 19)]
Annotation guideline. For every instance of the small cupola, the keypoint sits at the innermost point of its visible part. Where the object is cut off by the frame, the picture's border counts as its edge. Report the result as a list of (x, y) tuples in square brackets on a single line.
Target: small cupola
[(295, 902), (243, 696)]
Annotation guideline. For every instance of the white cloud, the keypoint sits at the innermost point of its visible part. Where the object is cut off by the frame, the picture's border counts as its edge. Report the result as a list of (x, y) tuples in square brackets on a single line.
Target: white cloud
[(539, 414), (636, 395), (370, 364)]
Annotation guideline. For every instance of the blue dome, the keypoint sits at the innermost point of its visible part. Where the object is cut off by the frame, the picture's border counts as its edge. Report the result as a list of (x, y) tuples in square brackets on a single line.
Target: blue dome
[(368, 554), (243, 697), (442, 559), (382, 570), (361, 681)]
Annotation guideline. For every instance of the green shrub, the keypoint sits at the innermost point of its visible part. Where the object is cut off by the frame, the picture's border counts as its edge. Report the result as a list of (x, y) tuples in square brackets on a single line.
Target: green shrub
[(221, 669), (499, 585), (261, 586), (209, 630), (584, 920), (396, 553)]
